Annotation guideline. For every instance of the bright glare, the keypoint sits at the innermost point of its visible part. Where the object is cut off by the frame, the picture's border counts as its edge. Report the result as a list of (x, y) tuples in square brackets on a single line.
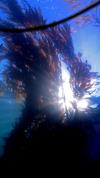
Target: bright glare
[(82, 104), (66, 96), (93, 81), (65, 91)]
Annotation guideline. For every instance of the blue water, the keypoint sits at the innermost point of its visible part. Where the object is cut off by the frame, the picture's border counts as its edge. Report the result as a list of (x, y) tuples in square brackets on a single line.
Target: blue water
[(10, 112)]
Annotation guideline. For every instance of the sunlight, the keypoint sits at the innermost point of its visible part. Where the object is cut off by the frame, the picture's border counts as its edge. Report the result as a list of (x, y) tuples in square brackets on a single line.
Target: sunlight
[(82, 104), (66, 96), (65, 92)]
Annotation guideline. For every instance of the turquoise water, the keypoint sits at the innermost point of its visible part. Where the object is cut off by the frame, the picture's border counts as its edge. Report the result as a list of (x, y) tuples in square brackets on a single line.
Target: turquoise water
[(10, 112)]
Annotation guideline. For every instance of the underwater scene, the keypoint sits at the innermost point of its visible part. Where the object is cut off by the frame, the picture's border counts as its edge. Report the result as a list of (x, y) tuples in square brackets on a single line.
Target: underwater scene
[(50, 80)]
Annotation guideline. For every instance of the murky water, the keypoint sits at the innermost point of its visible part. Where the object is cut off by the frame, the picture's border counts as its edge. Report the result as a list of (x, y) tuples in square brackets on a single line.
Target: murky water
[(10, 112)]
